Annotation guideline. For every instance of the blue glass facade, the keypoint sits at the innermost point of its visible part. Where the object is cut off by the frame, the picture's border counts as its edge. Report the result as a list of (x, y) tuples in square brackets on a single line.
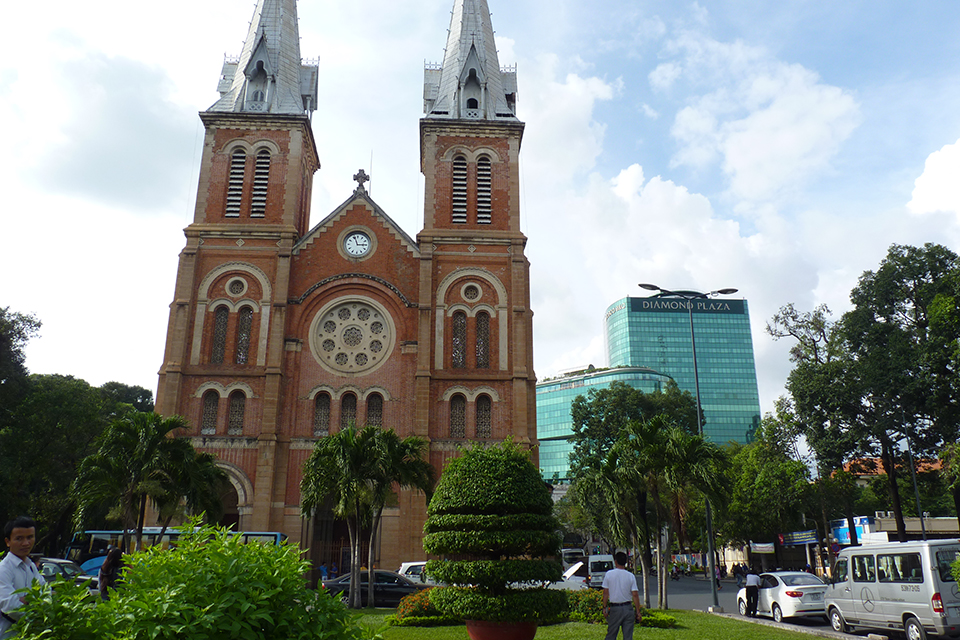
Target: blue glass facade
[(554, 397), (655, 332)]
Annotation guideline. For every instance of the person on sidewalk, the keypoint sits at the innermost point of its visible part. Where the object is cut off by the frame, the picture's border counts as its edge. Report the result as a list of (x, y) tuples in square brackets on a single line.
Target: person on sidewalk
[(753, 592), (621, 599)]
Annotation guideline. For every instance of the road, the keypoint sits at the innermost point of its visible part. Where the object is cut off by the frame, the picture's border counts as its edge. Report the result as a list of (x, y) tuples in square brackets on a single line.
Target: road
[(693, 593)]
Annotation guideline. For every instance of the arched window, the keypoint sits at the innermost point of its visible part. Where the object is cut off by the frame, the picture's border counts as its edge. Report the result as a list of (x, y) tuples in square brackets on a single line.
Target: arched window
[(473, 103), (244, 324), (375, 410), (220, 318), (208, 418), (483, 340), (348, 410), (484, 212), (321, 415), (459, 202), (238, 403), (261, 174), (238, 163), (458, 416), (483, 417), (459, 340)]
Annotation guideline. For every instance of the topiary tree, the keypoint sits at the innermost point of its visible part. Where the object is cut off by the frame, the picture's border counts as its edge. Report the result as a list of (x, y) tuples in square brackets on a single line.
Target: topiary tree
[(493, 512)]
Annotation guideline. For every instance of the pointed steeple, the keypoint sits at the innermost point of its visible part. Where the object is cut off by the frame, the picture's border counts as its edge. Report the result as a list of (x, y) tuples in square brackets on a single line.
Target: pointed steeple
[(269, 76), (470, 84)]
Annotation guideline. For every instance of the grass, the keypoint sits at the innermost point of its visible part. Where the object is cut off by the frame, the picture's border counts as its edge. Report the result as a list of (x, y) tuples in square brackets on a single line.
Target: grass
[(691, 625)]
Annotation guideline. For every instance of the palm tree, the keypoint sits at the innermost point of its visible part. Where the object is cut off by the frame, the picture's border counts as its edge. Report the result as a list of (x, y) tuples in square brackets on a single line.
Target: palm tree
[(398, 462), (671, 463), (136, 461), (339, 471), (196, 487)]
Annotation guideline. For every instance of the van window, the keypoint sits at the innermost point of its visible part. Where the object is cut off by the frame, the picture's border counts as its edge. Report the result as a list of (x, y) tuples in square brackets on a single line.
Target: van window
[(840, 572), (600, 565), (899, 567), (945, 558), (863, 569)]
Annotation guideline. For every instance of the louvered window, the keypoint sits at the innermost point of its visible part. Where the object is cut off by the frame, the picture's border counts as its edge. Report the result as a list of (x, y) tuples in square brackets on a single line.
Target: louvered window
[(220, 318), (348, 411), (483, 417), (483, 340), (458, 416), (238, 403), (375, 410), (261, 173), (459, 204), (244, 325), (208, 420), (238, 163), (484, 215), (321, 415), (459, 340)]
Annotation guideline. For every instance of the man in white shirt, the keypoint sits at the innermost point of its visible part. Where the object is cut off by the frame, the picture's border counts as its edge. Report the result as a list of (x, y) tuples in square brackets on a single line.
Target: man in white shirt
[(621, 599), (17, 570)]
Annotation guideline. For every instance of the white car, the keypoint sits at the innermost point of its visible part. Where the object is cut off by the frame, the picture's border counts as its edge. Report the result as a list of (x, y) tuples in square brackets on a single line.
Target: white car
[(787, 594), (414, 571)]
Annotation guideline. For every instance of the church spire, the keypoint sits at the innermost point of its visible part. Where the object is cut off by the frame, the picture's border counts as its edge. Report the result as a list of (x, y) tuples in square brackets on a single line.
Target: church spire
[(268, 76), (470, 84)]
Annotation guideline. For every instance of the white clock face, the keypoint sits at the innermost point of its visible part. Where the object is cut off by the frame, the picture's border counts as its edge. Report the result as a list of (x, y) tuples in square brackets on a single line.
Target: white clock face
[(356, 244)]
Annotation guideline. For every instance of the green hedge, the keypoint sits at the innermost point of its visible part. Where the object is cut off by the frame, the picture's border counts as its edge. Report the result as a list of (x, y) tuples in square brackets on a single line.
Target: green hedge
[(493, 544), (490, 522), (586, 605), (517, 605), (491, 574)]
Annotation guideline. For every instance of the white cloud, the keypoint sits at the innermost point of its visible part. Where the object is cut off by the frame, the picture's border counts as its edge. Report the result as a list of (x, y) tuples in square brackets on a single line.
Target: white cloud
[(771, 125), (664, 75), (938, 187)]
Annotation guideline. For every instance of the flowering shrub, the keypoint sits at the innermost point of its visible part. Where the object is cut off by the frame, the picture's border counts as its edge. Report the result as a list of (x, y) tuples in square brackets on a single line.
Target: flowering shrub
[(417, 610)]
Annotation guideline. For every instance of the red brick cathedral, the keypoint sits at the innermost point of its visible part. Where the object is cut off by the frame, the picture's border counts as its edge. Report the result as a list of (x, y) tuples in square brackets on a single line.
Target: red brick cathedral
[(281, 333)]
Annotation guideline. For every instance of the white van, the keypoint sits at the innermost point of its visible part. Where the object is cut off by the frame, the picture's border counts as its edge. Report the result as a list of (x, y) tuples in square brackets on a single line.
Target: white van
[(897, 585), (597, 567)]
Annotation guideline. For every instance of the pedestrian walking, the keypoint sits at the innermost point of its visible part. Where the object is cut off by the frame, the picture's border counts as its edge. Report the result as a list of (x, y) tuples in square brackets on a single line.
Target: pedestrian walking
[(621, 599)]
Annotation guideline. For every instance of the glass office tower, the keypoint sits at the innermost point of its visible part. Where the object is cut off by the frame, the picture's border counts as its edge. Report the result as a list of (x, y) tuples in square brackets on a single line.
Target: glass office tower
[(554, 397), (655, 332)]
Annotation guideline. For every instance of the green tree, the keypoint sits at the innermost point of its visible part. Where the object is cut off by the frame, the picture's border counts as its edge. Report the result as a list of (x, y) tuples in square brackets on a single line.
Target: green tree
[(398, 462), (139, 398), (337, 475), (52, 427), (886, 371), (138, 460), (950, 468), (769, 488), (672, 464)]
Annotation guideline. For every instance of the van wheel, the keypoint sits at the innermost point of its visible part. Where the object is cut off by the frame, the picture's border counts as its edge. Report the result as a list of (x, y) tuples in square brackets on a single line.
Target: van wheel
[(914, 630), (836, 621), (777, 613)]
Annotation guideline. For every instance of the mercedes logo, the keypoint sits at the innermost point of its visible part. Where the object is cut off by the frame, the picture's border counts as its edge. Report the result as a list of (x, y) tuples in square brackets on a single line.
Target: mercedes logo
[(956, 590), (866, 599)]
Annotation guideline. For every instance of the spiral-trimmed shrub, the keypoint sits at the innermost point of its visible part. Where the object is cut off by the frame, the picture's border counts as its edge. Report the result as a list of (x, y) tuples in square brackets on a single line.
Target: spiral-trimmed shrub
[(492, 511)]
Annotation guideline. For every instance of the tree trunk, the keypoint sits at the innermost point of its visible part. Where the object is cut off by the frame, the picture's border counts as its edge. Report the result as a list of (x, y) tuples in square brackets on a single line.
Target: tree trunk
[(956, 500), (353, 595), (140, 519), (850, 525), (371, 580), (663, 569), (889, 466)]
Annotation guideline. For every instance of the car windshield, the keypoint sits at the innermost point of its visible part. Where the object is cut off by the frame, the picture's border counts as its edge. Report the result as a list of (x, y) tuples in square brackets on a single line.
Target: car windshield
[(71, 570), (801, 580), (945, 558)]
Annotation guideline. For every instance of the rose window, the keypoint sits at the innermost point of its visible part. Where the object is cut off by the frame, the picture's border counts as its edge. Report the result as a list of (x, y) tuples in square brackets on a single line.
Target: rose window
[(352, 337)]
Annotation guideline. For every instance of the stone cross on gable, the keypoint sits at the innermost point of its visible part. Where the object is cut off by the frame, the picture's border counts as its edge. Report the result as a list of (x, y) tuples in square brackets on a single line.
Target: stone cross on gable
[(361, 177)]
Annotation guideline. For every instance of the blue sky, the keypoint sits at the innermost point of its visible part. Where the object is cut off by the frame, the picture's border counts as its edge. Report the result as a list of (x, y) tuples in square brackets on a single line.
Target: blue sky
[(778, 148)]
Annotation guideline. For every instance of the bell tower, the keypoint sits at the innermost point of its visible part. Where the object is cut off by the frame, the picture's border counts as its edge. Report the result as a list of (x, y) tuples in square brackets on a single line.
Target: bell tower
[(225, 338), (474, 277)]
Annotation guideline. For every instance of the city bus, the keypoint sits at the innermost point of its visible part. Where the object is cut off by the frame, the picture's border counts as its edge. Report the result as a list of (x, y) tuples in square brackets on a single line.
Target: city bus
[(89, 548)]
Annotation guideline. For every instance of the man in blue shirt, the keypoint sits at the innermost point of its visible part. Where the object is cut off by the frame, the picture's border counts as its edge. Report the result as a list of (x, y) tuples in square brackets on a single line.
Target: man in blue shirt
[(17, 570)]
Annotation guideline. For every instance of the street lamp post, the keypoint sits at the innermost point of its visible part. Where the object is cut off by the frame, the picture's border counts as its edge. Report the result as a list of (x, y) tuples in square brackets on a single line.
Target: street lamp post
[(689, 296)]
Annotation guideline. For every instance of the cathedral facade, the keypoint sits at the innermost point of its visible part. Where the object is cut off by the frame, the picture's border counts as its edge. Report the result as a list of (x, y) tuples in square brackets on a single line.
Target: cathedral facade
[(281, 333)]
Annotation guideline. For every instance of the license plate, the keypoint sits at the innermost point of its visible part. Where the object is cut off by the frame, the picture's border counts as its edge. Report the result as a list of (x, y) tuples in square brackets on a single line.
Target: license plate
[(953, 612), (815, 596)]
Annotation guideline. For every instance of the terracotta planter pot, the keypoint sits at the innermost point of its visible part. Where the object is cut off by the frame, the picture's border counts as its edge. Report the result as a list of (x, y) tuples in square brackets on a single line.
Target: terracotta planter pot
[(484, 630)]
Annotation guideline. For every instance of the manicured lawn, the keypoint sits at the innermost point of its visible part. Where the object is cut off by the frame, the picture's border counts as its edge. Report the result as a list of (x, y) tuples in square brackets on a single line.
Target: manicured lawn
[(691, 626)]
